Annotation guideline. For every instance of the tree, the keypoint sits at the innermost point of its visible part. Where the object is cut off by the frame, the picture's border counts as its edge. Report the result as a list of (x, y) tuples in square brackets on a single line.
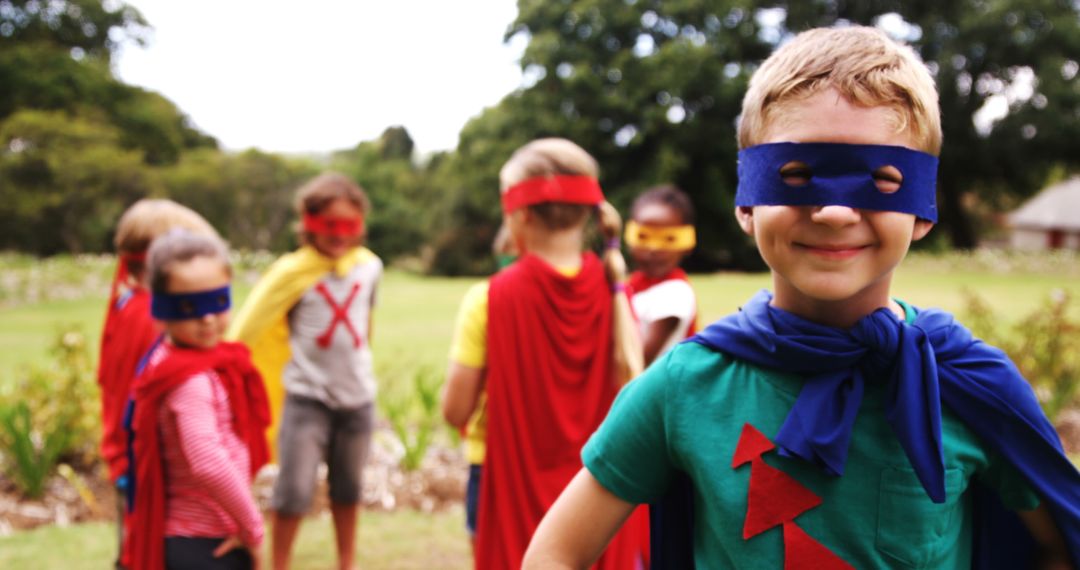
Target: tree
[(64, 180), (81, 27), (247, 196), (653, 90), (400, 196)]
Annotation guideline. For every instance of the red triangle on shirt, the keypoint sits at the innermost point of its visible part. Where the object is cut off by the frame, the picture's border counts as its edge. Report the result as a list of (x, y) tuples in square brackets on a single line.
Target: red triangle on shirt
[(802, 552), (775, 498), (751, 445)]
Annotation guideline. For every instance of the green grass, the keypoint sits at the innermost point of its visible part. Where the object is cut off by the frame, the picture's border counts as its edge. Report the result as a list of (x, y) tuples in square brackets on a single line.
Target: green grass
[(415, 315), (412, 328), (401, 540)]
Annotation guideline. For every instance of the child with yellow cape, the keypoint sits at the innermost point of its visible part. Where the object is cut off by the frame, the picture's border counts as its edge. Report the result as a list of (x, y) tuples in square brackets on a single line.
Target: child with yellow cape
[(262, 323)]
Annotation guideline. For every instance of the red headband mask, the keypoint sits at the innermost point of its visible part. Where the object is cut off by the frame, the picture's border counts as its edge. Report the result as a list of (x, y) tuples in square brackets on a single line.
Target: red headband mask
[(561, 188), (123, 271), (337, 227)]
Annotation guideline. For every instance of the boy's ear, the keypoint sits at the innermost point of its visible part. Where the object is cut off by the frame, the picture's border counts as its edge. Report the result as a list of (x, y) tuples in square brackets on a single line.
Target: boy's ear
[(745, 216), (922, 227)]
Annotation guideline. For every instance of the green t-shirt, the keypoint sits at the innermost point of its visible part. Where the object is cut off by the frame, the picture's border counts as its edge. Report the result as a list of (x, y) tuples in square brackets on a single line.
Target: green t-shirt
[(686, 413)]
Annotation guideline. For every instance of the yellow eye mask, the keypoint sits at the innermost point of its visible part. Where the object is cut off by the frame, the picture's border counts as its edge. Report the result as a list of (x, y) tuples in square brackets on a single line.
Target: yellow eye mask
[(664, 238)]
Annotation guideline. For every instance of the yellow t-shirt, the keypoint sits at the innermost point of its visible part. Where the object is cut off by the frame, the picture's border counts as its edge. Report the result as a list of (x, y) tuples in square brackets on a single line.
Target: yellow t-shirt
[(469, 348)]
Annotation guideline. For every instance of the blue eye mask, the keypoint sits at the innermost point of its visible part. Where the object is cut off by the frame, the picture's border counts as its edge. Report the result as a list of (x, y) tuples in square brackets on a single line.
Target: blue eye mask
[(839, 174), (182, 306)]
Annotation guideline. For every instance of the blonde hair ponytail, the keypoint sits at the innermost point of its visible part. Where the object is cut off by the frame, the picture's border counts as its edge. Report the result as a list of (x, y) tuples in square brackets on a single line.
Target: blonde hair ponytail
[(628, 353)]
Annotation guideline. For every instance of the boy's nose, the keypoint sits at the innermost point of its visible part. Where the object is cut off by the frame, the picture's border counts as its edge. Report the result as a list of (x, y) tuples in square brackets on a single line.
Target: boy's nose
[(835, 216)]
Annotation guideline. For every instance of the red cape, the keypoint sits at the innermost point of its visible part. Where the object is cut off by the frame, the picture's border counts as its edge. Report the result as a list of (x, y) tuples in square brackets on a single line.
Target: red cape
[(128, 334), (251, 416), (549, 386), (638, 282)]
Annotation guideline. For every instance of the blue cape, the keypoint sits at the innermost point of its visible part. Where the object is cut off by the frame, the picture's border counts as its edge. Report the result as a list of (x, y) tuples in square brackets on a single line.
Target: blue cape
[(935, 360)]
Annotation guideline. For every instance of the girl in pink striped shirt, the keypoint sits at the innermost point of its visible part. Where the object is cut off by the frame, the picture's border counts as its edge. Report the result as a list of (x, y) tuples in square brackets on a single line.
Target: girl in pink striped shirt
[(199, 421)]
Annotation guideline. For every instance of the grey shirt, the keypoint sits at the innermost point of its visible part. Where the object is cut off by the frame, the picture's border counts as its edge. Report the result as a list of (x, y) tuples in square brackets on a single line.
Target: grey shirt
[(331, 362)]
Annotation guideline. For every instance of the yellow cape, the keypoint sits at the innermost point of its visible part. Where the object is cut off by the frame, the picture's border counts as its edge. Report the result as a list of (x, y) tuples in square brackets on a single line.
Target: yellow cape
[(262, 323)]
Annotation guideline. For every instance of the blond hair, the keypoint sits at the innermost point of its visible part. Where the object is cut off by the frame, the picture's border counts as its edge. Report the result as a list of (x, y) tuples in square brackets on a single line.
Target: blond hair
[(862, 64), (550, 157), (147, 219), (557, 156)]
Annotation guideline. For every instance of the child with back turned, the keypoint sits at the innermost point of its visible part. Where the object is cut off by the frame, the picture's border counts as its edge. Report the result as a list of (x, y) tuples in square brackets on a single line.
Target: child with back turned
[(660, 234), (538, 339), (308, 322), (828, 424), (199, 420), (129, 331)]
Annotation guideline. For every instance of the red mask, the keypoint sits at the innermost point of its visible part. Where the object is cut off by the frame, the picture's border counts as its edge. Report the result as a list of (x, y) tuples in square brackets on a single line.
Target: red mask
[(339, 227)]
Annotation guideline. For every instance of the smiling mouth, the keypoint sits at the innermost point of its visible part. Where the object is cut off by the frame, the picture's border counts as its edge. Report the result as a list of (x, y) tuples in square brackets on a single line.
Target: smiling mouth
[(833, 251)]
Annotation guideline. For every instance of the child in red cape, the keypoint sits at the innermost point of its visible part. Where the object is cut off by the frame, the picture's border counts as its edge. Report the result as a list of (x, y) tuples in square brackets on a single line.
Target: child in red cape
[(129, 331), (199, 419), (539, 338), (660, 234)]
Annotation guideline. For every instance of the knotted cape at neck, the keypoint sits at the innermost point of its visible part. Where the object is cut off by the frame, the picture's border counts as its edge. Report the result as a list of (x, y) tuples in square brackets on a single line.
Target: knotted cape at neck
[(931, 361)]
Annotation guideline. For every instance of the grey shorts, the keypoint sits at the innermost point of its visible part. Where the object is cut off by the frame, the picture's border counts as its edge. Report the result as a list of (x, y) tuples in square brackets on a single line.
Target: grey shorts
[(310, 434)]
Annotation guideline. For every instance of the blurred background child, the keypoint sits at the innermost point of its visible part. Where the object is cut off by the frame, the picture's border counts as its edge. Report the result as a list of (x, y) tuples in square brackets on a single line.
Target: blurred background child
[(308, 321), (538, 339), (129, 331), (200, 418), (660, 234)]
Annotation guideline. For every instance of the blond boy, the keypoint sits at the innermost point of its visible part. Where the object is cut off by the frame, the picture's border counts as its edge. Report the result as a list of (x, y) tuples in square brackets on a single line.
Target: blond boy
[(827, 425)]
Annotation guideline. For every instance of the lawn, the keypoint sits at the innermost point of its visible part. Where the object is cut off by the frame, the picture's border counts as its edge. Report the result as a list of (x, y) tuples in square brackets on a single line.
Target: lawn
[(413, 325), (401, 540), (415, 315)]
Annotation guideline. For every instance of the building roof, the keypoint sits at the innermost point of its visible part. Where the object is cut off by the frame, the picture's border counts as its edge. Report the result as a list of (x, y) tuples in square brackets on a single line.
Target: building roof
[(1056, 207)]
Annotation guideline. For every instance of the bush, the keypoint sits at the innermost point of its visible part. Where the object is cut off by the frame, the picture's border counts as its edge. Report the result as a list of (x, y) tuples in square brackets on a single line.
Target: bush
[(414, 415), (50, 415), (1042, 345)]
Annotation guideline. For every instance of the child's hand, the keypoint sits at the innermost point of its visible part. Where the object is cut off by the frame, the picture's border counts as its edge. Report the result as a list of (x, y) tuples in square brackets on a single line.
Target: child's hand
[(234, 542)]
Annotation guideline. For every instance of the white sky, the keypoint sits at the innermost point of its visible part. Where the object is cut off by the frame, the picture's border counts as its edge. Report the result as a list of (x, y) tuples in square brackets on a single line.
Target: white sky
[(323, 75)]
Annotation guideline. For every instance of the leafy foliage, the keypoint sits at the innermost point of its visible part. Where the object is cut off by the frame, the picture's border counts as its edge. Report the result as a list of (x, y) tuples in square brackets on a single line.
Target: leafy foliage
[(400, 191), (63, 180), (1042, 344), (248, 196), (414, 415), (50, 415), (653, 90), (84, 27)]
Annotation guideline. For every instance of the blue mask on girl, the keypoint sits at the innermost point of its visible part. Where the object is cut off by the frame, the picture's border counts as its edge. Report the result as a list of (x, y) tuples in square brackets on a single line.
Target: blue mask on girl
[(182, 306), (838, 174)]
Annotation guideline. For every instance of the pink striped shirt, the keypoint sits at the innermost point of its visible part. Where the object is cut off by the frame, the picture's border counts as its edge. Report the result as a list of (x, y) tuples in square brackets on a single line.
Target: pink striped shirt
[(206, 466)]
